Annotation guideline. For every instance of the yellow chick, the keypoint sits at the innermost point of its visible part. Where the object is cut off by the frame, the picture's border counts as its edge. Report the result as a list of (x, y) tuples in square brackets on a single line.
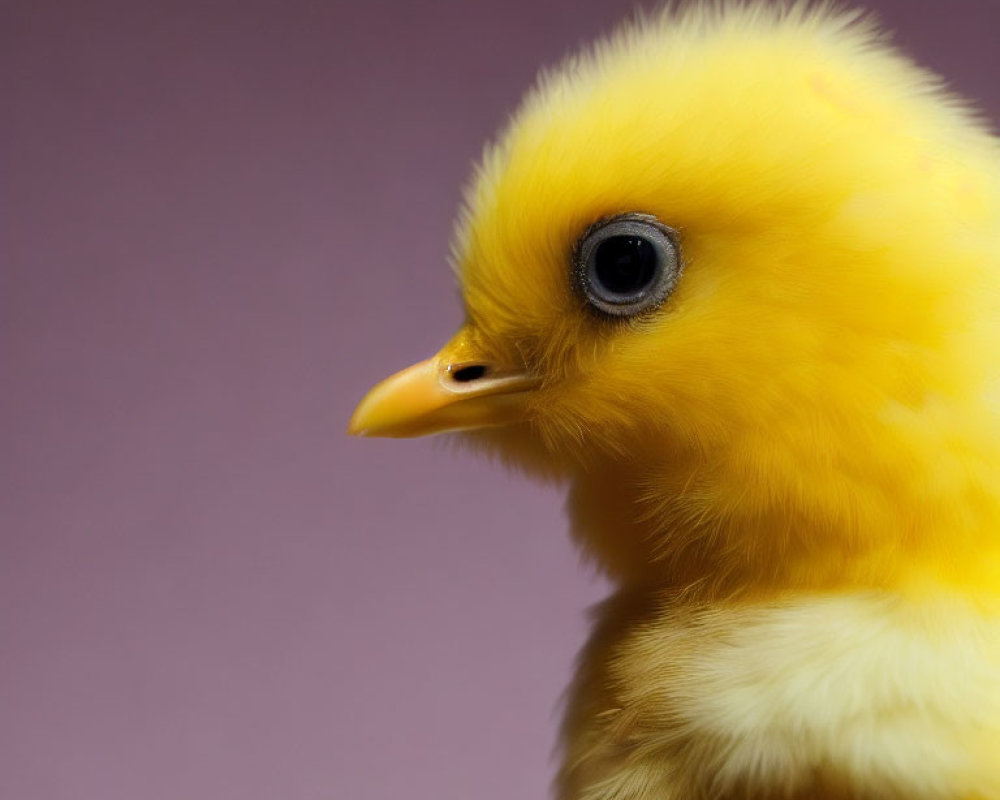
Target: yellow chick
[(734, 276)]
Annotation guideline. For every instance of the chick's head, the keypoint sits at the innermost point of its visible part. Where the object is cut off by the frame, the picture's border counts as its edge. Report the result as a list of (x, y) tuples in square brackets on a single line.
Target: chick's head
[(748, 257)]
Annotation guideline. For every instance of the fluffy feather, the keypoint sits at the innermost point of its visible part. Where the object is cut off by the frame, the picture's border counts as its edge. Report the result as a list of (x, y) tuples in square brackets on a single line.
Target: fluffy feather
[(792, 469)]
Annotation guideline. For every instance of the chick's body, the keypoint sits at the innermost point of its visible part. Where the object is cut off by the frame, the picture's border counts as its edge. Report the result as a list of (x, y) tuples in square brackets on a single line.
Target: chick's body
[(790, 467)]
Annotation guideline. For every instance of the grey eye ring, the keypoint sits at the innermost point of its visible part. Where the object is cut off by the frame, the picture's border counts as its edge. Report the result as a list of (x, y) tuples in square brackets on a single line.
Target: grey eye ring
[(626, 265)]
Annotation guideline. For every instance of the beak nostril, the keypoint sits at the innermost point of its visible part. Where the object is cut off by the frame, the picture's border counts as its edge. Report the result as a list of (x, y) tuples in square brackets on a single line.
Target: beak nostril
[(470, 373)]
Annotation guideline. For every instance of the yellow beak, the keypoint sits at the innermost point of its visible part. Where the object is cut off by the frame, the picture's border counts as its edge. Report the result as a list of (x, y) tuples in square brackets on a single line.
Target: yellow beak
[(452, 391)]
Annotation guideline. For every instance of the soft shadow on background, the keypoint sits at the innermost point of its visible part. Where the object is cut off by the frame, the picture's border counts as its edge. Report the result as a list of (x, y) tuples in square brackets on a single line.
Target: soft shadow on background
[(219, 224)]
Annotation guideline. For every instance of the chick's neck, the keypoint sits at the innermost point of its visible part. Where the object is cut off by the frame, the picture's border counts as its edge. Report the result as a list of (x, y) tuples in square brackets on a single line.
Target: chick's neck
[(668, 527)]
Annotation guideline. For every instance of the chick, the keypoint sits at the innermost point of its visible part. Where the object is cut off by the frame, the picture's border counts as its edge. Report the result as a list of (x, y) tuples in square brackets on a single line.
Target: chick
[(734, 276)]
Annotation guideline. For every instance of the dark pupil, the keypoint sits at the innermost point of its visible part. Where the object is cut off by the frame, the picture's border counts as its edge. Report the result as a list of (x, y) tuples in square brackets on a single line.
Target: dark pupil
[(625, 264)]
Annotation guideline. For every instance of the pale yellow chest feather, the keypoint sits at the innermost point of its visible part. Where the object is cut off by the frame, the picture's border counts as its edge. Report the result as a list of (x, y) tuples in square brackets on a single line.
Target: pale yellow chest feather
[(856, 696)]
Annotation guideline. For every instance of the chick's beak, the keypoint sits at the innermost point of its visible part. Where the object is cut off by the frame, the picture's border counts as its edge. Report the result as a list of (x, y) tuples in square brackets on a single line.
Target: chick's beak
[(452, 391)]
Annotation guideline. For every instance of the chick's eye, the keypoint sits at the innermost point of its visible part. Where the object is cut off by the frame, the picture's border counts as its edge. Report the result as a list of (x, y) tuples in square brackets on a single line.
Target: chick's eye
[(624, 265), (627, 265)]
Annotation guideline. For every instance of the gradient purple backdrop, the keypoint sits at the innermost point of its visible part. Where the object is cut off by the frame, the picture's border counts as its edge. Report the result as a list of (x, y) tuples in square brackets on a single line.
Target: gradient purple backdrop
[(221, 223)]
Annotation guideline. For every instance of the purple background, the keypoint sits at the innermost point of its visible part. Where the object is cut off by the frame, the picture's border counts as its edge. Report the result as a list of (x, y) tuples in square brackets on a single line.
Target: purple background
[(220, 225)]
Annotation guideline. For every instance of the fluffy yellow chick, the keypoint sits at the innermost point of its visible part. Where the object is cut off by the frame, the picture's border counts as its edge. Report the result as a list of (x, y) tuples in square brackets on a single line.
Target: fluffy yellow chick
[(734, 277)]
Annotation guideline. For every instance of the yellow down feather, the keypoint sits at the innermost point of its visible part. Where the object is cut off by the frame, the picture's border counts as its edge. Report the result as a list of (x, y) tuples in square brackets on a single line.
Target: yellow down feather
[(790, 470)]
